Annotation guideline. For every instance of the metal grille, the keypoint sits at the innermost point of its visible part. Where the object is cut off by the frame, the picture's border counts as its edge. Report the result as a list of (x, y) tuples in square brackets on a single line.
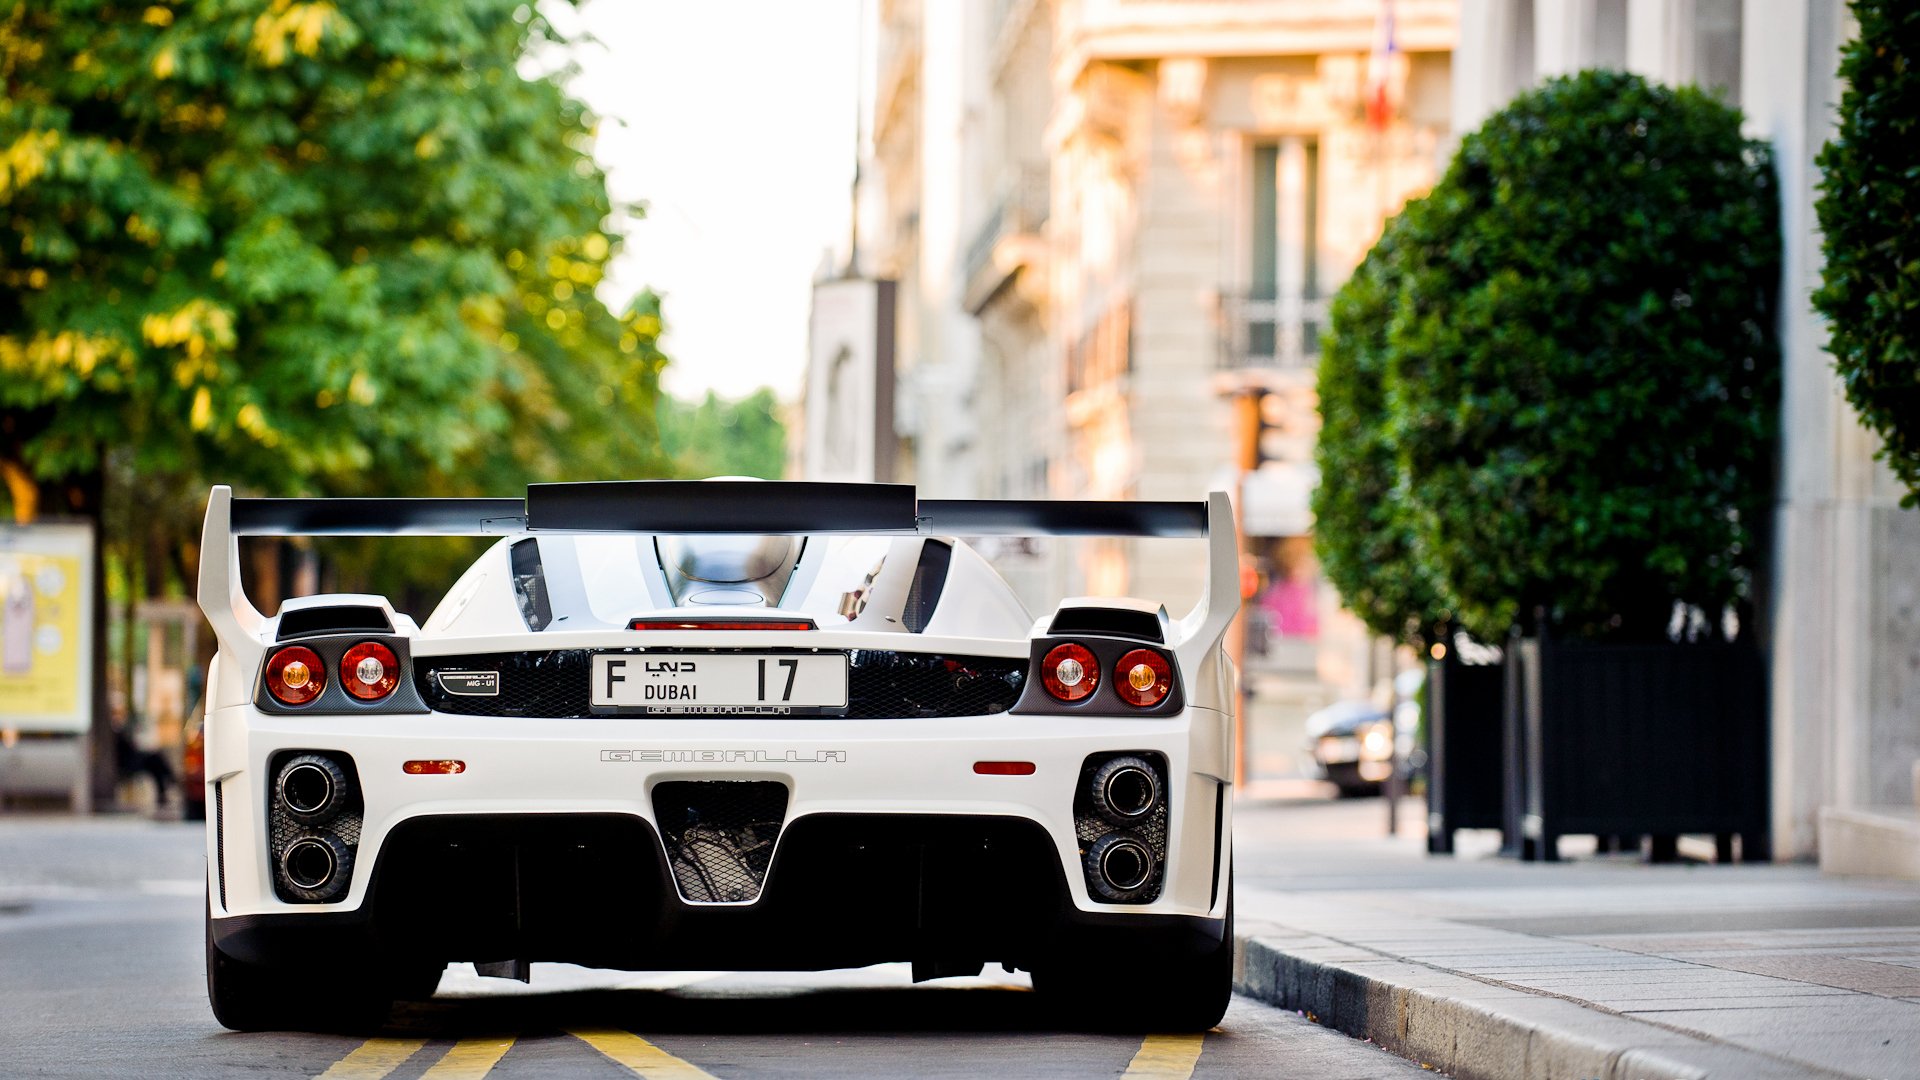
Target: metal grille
[(1089, 826), (882, 684), (719, 835)]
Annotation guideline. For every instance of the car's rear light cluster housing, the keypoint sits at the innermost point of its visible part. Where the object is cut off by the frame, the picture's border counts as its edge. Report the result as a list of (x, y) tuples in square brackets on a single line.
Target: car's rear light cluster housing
[(339, 673), (1102, 675), (314, 817)]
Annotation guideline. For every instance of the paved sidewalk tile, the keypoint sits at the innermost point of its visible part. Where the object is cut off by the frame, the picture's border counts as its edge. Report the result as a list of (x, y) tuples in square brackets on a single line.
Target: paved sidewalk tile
[(1605, 967)]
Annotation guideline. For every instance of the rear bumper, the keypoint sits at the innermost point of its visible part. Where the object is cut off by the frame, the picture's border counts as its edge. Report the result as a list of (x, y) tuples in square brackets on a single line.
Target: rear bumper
[(525, 770), (844, 890)]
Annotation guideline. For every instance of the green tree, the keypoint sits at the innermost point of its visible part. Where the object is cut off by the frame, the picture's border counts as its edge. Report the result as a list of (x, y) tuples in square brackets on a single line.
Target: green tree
[(306, 248), (717, 437), (1362, 508), (1582, 377), (1870, 220)]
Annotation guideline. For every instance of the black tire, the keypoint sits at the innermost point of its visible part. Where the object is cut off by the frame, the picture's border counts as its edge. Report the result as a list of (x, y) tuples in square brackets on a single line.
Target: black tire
[(1164, 993), (253, 997)]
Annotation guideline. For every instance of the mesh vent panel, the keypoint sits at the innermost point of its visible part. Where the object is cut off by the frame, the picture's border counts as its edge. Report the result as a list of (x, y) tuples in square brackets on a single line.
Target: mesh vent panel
[(220, 839), (882, 684), (719, 835)]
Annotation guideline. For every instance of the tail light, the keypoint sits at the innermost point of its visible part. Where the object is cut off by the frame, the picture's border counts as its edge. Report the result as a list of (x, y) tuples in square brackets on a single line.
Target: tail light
[(369, 671), (1143, 678), (1069, 672), (721, 624), (295, 675)]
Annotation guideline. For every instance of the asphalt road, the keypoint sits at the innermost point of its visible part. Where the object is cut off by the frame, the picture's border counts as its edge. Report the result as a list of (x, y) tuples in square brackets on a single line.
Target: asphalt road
[(101, 975)]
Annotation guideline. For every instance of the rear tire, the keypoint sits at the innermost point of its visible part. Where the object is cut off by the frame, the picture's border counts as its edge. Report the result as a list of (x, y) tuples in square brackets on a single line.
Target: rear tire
[(1161, 993), (254, 997)]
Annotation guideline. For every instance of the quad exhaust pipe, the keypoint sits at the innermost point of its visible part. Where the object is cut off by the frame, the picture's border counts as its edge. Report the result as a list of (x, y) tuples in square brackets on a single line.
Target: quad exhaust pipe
[(309, 864), (1123, 805), (311, 788), (314, 824), (1124, 790), (1121, 865)]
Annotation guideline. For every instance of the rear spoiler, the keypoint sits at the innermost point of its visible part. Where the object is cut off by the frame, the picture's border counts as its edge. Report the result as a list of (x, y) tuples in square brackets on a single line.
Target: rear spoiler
[(709, 506)]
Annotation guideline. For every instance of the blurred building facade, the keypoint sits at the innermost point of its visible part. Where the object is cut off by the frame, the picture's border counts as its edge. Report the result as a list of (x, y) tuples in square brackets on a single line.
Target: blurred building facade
[(1115, 224), (1842, 625)]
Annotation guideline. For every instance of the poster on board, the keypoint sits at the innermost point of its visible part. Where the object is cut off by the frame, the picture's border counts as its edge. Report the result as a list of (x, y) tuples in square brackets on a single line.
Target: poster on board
[(46, 628)]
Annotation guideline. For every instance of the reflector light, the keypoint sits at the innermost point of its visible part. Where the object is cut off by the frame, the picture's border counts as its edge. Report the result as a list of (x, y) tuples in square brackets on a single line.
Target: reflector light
[(1003, 768), (369, 671), (434, 767), (1143, 678), (1069, 672), (295, 675), (721, 624)]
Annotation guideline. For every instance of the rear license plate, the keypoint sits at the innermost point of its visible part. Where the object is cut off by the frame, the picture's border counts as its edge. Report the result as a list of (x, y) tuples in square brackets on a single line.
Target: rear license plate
[(720, 682)]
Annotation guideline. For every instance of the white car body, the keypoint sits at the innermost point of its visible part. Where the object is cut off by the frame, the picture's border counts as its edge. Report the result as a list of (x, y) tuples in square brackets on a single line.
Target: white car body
[(556, 806)]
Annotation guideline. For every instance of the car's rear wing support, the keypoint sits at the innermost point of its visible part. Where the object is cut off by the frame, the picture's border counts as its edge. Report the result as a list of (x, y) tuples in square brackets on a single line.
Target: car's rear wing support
[(710, 506)]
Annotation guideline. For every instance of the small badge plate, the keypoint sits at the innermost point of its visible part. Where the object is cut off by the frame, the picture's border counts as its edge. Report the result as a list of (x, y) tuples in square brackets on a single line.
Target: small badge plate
[(470, 683)]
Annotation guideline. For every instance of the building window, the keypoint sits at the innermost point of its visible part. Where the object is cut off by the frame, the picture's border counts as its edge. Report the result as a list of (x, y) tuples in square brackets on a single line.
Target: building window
[(1277, 322)]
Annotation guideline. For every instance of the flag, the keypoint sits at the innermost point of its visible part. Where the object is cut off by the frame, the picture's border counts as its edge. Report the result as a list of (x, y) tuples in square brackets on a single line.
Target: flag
[(1380, 105)]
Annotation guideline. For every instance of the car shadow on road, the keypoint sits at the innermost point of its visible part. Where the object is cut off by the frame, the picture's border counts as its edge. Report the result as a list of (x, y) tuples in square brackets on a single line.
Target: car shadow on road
[(815, 1010)]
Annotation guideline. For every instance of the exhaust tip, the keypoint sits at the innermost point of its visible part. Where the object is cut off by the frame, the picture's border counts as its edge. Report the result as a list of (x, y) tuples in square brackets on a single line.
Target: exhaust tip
[(309, 864), (1121, 866), (306, 788), (1125, 790)]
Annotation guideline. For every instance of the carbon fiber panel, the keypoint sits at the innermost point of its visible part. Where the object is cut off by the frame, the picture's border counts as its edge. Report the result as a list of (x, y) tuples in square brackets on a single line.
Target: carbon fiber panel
[(883, 684)]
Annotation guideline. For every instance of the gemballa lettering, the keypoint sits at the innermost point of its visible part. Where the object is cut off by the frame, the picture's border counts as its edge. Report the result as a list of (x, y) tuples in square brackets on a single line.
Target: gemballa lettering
[(717, 757)]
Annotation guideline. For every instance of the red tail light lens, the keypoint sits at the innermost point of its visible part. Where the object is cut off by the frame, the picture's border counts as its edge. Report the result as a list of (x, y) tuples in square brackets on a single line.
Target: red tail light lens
[(1070, 672), (369, 671), (295, 675), (1143, 677), (721, 624), (434, 767)]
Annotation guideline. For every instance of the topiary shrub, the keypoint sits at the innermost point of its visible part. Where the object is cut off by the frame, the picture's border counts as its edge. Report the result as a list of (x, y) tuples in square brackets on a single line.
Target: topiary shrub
[(1581, 367), (1363, 524), (1869, 211)]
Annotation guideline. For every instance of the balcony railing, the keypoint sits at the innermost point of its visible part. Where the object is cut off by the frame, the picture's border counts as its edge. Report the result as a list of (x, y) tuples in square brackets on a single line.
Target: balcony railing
[(1273, 333), (1022, 207)]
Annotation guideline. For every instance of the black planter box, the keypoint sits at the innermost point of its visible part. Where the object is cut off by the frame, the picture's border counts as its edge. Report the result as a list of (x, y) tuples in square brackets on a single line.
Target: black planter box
[(1465, 761), (1626, 741)]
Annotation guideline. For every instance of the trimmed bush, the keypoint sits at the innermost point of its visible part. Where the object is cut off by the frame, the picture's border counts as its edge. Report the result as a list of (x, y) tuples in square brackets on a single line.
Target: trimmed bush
[(1581, 370), (1363, 523), (1870, 214)]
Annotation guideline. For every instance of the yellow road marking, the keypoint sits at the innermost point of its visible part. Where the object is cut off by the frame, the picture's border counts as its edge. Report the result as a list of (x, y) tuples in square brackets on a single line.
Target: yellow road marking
[(644, 1058), (469, 1059), (373, 1059), (1166, 1057)]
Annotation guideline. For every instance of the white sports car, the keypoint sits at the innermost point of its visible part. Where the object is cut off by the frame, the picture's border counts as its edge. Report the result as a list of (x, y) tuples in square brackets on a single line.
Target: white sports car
[(718, 725)]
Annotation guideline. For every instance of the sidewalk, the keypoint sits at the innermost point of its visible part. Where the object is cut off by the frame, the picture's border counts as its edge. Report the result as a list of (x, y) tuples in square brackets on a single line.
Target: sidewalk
[(1598, 967)]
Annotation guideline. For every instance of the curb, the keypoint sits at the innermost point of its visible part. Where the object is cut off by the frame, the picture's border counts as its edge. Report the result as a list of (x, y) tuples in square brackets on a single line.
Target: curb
[(1475, 1029)]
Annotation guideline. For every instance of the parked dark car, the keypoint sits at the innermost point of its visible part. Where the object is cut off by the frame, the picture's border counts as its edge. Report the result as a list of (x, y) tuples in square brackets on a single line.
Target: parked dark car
[(1352, 742)]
